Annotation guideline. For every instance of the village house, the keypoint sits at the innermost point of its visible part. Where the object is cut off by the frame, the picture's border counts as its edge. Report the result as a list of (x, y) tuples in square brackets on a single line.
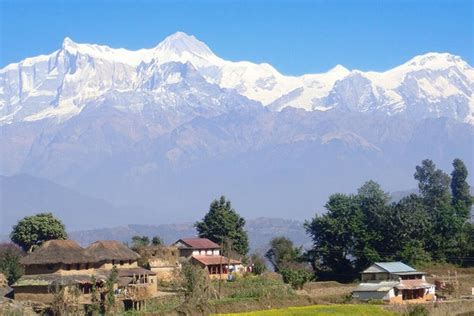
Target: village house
[(207, 254), (394, 282), (162, 260), (63, 263)]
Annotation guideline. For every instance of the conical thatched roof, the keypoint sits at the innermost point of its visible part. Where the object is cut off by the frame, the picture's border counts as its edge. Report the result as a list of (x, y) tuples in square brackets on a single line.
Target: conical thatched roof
[(57, 251), (103, 250)]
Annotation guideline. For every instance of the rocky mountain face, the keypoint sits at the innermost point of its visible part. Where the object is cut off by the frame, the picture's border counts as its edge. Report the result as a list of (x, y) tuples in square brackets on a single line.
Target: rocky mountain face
[(168, 129)]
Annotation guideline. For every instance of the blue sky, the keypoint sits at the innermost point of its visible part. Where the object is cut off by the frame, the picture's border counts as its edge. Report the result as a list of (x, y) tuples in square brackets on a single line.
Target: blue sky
[(295, 36)]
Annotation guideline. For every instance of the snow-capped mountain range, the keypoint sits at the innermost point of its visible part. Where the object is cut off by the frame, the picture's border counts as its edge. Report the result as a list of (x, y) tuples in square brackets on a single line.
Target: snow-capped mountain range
[(160, 132), (182, 74)]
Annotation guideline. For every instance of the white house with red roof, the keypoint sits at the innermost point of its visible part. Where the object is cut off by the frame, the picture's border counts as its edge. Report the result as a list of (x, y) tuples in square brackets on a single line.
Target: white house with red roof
[(207, 254)]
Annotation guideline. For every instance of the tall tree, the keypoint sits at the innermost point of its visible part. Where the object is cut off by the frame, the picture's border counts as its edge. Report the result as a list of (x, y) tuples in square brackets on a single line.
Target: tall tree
[(462, 199), (334, 236), (371, 240), (434, 185), (281, 252), (32, 231), (222, 224)]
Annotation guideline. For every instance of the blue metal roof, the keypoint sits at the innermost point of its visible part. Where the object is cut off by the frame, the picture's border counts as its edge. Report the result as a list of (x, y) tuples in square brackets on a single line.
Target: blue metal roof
[(394, 267)]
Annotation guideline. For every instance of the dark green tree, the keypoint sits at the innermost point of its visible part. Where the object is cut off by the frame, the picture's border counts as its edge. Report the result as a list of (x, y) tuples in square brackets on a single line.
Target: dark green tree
[(140, 242), (434, 185), (281, 252), (156, 241), (335, 237), (10, 266), (370, 245), (32, 231), (222, 224), (461, 197), (408, 220)]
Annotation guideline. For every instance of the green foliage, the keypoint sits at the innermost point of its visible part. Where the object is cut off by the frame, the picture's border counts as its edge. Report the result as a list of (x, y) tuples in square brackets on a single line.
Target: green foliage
[(258, 264), (282, 252), (255, 287), (413, 253), (296, 274), (223, 224), (417, 310), (94, 307), (195, 284), (335, 237), (10, 255), (156, 241), (110, 302), (360, 229), (32, 231), (140, 242), (462, 199)]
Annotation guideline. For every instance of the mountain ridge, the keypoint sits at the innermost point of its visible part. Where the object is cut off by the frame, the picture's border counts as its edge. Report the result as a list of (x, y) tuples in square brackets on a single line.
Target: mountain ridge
[(60, 85)]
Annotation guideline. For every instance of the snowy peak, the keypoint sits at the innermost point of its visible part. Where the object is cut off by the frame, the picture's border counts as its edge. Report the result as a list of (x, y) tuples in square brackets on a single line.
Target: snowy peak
[(68, 43), (180, 43), (60, 84), (435, 61), (339, 70)]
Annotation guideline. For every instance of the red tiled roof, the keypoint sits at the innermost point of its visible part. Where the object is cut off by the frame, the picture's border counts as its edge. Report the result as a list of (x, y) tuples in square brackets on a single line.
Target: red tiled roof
[(413, 284), (213, 260), (200, 243)]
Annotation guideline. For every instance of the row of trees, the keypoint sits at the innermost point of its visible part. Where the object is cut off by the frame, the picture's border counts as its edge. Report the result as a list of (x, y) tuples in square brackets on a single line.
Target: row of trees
[(360, 229)]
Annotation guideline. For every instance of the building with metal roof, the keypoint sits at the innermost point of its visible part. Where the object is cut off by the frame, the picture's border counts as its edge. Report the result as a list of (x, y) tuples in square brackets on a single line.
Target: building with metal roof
[(394, 282)]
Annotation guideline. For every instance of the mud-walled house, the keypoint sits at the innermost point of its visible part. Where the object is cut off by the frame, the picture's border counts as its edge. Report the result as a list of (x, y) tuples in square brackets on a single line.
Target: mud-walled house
[(65, 264)]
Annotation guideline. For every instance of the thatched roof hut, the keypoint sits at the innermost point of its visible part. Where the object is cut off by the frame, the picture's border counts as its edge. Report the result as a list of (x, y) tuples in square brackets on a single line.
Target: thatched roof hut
[(107, 250), (57, 251)]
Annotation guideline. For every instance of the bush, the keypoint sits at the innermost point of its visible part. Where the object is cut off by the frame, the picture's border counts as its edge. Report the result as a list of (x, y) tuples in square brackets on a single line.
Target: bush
[(195, 284), (417, 310), (296, 274), (258, 264), (10, 266)]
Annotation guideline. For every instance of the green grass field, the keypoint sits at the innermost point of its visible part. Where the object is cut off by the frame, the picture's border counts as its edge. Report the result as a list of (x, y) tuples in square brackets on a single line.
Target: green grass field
[(333, 310)]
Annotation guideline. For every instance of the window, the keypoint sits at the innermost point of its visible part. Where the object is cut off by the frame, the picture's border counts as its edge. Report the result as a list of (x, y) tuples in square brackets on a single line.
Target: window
[(113, 262), (68, 267), (50, 267), (130, 262), (78, 266), (121, 263)]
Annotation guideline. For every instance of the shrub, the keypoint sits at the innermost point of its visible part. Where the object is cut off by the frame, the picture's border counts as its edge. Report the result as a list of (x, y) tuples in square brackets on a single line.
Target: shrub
[(296, 274), (417, 310), (10, 266), (258, 264)]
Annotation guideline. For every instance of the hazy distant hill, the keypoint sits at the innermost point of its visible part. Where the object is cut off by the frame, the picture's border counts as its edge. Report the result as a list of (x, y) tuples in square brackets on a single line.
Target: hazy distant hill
[(260, 231), (23, 195)]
